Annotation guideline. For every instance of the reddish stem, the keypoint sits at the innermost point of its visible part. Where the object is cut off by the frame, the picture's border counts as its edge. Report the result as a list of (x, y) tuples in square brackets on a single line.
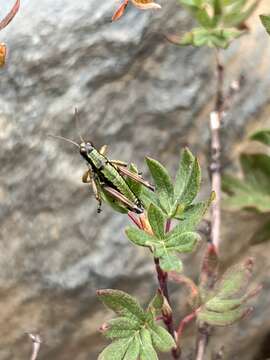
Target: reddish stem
[(184, 322)]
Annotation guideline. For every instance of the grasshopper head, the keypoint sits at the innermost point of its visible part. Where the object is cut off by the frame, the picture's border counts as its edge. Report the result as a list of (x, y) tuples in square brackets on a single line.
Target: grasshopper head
[(86, 148)]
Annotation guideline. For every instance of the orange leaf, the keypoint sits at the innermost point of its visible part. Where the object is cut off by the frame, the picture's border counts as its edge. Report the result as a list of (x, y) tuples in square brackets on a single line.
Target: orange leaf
[(120, 11), (3, 52), (146, 4), (7, 19)]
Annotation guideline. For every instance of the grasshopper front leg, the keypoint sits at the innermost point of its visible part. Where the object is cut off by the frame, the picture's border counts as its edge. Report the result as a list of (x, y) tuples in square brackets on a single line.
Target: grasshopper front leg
[(89, 178)]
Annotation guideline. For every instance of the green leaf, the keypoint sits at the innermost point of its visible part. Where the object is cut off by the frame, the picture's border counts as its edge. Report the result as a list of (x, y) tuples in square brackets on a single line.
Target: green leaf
[(156, 220), (213, 38), (121, 327), (217, 5), (203, 18), (222, 305), (256, 168), (147, 351), (253, 191), (135, 334), (148, 197), (162, 340), (139, 237), (262, 136), (116, 351), (163, 182), (237, 18), (170, 262), (135, 186), (121, 303), (156, 304), (262, 234), (188, 179), (133, 350), (234, 281), (222, 319), (182, 242), (266, 22)]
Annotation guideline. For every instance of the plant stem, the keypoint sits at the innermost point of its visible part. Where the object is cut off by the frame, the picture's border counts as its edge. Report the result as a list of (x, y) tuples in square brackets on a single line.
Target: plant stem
[(167, 316), (215, 173), (36, 341), (215, 165), (163, 285), (202, 341)]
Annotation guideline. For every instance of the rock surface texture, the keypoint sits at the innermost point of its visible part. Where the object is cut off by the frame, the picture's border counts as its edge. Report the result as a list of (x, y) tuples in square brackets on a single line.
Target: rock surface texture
[(141, 96)]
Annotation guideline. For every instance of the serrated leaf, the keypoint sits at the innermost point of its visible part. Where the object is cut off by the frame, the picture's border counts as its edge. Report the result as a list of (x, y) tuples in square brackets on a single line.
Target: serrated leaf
[(116, 350), (147, 351), (121, 303), (182, 242), (262, 136), (148, 197), (222, 305), (121, 327), (163, 183), (133, 350), (156, 220), (188, 179), (170, 262), (162, 340), (266, 22), (234, 281), (139, 237), (222, 319)]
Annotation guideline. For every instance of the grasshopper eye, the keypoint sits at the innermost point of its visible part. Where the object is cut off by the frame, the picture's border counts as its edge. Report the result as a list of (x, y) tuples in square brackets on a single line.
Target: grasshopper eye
[(83, 148)]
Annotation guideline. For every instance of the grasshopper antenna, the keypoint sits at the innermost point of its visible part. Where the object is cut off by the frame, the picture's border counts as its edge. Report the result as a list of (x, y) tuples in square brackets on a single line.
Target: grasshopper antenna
[(76, 114), (65, 139)]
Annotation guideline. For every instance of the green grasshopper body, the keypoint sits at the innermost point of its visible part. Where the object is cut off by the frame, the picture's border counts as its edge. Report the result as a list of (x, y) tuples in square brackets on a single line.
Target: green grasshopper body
[(107, 176)]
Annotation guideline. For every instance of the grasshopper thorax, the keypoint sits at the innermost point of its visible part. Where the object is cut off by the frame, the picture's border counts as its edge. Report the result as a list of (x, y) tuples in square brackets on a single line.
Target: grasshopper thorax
[(86, 148)]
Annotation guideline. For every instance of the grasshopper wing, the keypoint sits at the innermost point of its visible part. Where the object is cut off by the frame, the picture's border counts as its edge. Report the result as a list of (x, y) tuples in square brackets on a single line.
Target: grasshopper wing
[(135, 177), (129, 204)]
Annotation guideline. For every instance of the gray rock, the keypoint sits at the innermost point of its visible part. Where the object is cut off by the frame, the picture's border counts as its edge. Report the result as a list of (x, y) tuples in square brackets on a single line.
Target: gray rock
[(141, 96)]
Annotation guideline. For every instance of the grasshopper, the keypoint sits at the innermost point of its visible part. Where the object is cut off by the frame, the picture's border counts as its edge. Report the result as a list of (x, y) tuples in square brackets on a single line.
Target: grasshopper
[(108, 176)]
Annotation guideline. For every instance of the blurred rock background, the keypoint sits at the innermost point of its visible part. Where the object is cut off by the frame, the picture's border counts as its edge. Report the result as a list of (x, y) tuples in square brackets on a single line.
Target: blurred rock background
[(141, 96)]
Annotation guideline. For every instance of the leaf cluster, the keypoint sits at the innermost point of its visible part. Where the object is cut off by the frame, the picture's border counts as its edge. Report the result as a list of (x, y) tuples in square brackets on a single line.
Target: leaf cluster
[(171, 200), (226, 303), (220, 21), (134, 333), (252, 192)]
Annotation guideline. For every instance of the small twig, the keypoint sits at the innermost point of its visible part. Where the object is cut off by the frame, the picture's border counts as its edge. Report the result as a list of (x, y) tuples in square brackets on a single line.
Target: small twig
[(184, 322), (36, 341), (202, 341), (7, 19), (215, 163), (215, 173)]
